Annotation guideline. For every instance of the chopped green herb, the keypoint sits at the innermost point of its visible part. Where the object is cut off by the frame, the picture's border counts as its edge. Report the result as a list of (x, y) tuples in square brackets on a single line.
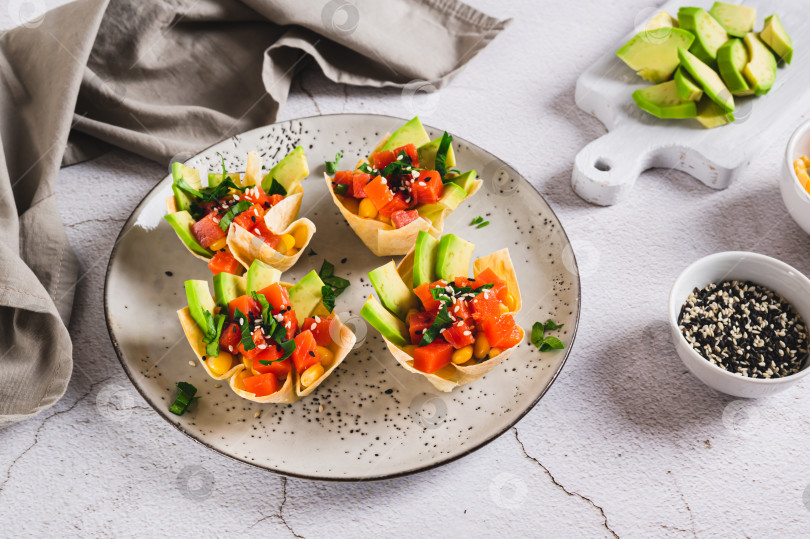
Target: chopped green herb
[(328, 297), (334, 285), (312, 252), (442, 321), (367, 169), (332, 166), (288, 347), (236, 209), (440, 292), (276, 188), (482, 225), (244, 324), (213, 331), (224, 170), (267, 309), (541, 341), (340, 188), (184, 398), (183, 184), (441, 154), (477, 220)]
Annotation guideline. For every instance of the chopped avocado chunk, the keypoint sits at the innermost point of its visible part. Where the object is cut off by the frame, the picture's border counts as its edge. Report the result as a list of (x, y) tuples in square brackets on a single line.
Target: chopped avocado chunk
[(737, 20), (411, 133), (654, 54), (305, 295), (181, 222), (710, 114), (427, 155), (452, 196), (465, 180), (687, 88), (394, 293), (260, 275), (709, 35), (216, 179), (663, 101), (191, 176), (228, 287), (289, 171), (732, 58), (761, 69), (386, 323), (662, 20), (708, 79), (431, 212), (776, 37), (453, 257), (199, 300), (424, 258)]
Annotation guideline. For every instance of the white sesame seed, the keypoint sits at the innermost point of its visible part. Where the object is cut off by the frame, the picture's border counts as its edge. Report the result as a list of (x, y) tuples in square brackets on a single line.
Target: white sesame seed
[(192, 363)]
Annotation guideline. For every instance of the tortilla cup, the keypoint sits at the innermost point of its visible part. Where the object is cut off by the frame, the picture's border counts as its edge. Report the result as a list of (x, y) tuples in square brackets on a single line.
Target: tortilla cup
[(343, 340), (452, 376)]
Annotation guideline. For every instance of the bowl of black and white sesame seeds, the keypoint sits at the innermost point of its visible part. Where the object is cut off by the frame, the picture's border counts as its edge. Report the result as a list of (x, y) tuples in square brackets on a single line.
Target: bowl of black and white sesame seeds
[(738, 323)]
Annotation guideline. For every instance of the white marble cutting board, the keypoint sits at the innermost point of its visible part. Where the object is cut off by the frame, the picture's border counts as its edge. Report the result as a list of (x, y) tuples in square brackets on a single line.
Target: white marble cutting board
[(606, 169)]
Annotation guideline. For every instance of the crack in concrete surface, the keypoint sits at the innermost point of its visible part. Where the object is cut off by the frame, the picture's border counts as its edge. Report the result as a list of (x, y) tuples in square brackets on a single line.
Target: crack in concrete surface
[(280, 512)]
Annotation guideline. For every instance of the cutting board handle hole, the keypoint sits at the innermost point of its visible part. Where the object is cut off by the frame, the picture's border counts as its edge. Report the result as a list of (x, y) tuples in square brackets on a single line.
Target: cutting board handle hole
[(602, 165)]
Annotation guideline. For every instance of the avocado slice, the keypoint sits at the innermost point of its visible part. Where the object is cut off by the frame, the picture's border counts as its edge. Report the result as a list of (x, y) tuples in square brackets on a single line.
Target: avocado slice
[(708, 79), (199, 300), (431, 212), (662, 20), (709, 35), (663, 101), (289, 171), (386, 323), (260, 275), (413, 132), (191, 175), (453, 257), (216, 179), (653, 54), (181, 222), (394, 293), (305, 295), (761, 69), (427, 154), (465, 180), (732, 58), (452, 196), (776, 37), (737, 20), (228, 287), (424, 258), (710, 114), (686, 87)]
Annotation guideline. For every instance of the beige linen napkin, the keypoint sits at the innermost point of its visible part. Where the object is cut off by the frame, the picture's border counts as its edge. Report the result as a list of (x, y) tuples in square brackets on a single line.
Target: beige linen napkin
[(167, 78)]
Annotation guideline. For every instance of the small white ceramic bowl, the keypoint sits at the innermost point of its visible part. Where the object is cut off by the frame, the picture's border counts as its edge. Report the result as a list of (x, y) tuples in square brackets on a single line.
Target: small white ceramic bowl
[(796, 198), (763, 270)]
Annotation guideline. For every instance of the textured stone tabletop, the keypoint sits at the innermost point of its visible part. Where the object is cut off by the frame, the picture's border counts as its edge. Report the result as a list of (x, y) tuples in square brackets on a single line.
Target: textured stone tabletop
[(625, 443)]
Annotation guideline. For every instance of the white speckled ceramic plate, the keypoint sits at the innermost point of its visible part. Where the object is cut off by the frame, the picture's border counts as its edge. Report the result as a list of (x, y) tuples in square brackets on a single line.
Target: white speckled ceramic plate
[(371, 419)]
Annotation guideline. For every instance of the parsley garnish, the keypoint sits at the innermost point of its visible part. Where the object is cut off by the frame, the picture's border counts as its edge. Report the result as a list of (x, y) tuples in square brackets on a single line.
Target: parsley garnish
[(244, 324), (340, 188), (401, 166), (442, 321), (368, 169), (541, 341), (334, 285), (276, 188), (184, 398), (233, 211), (440, 292), (213, 331), (331, 166), (288, 347), (312, 252), (441, 154)]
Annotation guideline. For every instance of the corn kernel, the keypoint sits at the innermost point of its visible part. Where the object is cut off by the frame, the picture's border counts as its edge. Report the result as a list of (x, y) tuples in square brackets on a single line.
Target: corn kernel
[(219, 244), (409, 349), (510, 302), (326, 356), (351, 204), (481, 346), (311, 375), (221, 364), (503, 309), (366, 209), (382, 219), (462, 355), (301, 235), (285, 243), (494, 352), (411, 312)]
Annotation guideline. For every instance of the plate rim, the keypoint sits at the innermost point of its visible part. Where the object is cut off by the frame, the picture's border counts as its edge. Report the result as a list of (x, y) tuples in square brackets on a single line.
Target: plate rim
[(335, 479)]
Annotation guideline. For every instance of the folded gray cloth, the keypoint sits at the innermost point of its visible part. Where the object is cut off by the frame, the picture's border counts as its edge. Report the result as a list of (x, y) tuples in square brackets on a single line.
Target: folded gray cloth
[(167, 78)]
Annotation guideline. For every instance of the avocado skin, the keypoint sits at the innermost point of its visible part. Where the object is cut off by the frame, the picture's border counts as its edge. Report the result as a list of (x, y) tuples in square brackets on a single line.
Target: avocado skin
[(776, 37), (663, 101), (705, 46), (730, 69), (709, 80), (761, 69), (686, 87), (391, 327)]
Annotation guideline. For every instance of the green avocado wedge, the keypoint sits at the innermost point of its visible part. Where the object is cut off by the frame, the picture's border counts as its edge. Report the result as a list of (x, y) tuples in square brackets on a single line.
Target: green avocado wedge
[(182, 222), (663, 101), (289, 172), (260, 276), (732, 58), (761, 69), (686, 87), (453, 257), (662, 20), (427, 154), (708, 79), (737, 20), (305, 295), (776, 37), (653, 54), (389, 326), (465, 180), (397, 296), (191, 176), (424, 258), (228, 287), (709, 35), (710, 114), (199, 301), (413, 132)]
